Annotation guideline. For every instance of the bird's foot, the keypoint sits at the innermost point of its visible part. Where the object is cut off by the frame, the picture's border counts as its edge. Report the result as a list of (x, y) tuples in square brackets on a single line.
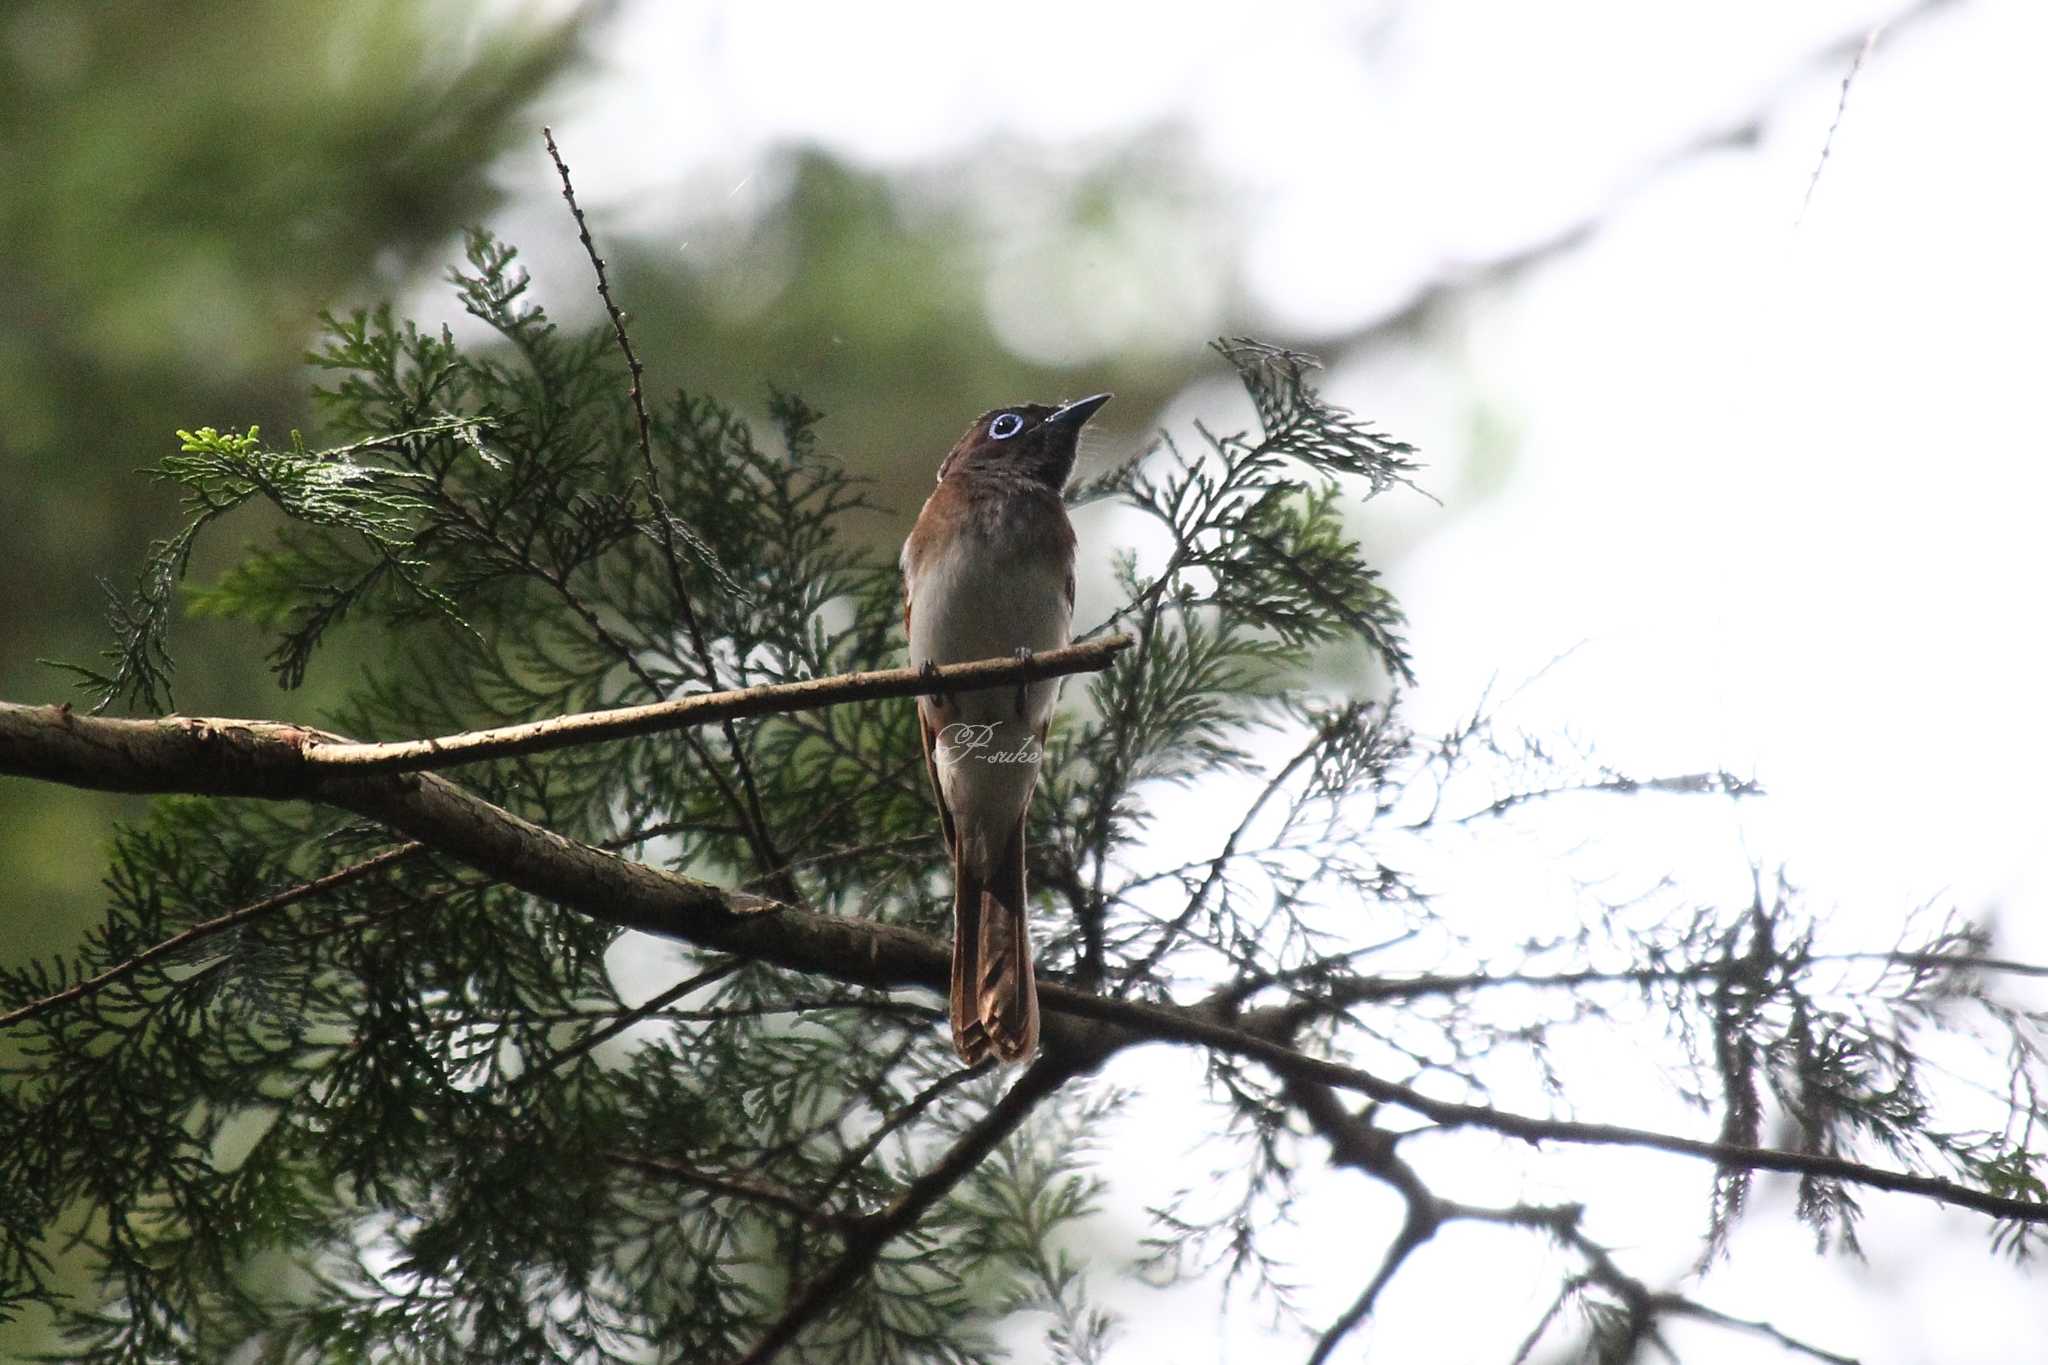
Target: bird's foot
[(928, 671)]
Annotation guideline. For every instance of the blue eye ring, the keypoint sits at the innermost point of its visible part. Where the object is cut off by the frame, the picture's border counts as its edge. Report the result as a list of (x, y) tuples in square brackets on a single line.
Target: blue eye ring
[(1005, 425)]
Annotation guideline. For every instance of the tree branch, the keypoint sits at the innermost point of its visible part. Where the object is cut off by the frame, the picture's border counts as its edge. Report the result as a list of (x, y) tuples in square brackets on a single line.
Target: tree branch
[(1416, 1229), (1356, 1141), (1187, 1024), (703, 708), (268, 760)]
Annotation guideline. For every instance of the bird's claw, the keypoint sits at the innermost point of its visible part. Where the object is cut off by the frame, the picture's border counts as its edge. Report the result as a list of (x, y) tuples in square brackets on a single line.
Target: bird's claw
[(1020, 656)]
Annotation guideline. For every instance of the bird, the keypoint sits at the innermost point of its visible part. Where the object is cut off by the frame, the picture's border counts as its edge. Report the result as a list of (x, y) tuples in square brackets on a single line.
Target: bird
[(988, 572)]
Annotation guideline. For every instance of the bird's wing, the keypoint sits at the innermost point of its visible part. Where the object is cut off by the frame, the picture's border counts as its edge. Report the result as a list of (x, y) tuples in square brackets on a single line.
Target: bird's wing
[(930, 768), (927, 739)]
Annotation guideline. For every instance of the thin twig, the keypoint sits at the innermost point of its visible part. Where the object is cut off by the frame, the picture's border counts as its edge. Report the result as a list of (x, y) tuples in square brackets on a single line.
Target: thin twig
[(701, 708), (241, 915), (708, 1015), (920, 1102), (1841, 107), (1158, 1021), (206, 929), (618, 318), (626, 1019), (1357, 1142), (1535, 1334), (1644, 1305), (852, 852), (1684, 1307), (666, 523), (1943, 961), (1164, 942)]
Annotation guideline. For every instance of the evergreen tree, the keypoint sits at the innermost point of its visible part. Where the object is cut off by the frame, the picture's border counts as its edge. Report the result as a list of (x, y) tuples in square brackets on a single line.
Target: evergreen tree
[(351, 1070)]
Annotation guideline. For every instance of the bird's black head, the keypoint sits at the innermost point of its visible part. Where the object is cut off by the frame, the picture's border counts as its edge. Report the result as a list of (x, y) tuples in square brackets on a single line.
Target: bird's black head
[(1030, 438)]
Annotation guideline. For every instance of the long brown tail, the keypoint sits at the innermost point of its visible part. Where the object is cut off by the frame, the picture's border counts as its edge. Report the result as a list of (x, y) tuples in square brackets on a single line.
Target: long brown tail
[(994, 1000)]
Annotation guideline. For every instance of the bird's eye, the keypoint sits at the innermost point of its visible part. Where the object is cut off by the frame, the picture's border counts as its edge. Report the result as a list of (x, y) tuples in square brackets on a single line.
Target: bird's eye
[(1006, 425)]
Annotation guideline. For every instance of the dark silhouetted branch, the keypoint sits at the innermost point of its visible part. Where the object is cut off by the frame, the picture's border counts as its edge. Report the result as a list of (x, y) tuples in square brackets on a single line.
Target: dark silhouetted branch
[(1052, 1070)]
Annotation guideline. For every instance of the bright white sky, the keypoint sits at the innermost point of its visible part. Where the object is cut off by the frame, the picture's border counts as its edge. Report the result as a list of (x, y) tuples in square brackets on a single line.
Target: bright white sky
[(1781, 479)]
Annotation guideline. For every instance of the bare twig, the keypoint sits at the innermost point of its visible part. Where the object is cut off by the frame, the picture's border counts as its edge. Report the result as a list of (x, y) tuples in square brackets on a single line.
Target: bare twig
[(1841, 107), (702, 708), (626, 1019), (1357, 1142), (1643, 1305), (618, 319), (666, 524), (712, 1014), (1613, 784), (1740, 129), (1168, 937), (917, 1104), (233, 919), (853, 852), (1677, 1306), (1958, 962)]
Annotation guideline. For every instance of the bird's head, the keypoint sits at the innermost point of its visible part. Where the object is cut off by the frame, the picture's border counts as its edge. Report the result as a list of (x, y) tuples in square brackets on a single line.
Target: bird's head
[(1031, 438)]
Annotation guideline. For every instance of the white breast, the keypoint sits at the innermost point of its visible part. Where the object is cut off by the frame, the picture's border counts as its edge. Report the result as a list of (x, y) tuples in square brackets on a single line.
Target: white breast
[(984, 599), (978, 599)]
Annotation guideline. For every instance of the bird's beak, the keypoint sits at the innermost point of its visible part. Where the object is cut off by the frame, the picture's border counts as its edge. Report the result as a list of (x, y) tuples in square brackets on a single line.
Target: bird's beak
[(1078, 411)]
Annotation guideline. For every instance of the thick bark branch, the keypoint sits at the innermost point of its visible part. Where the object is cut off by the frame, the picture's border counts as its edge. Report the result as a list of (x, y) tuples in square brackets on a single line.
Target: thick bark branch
[(267, 760)]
